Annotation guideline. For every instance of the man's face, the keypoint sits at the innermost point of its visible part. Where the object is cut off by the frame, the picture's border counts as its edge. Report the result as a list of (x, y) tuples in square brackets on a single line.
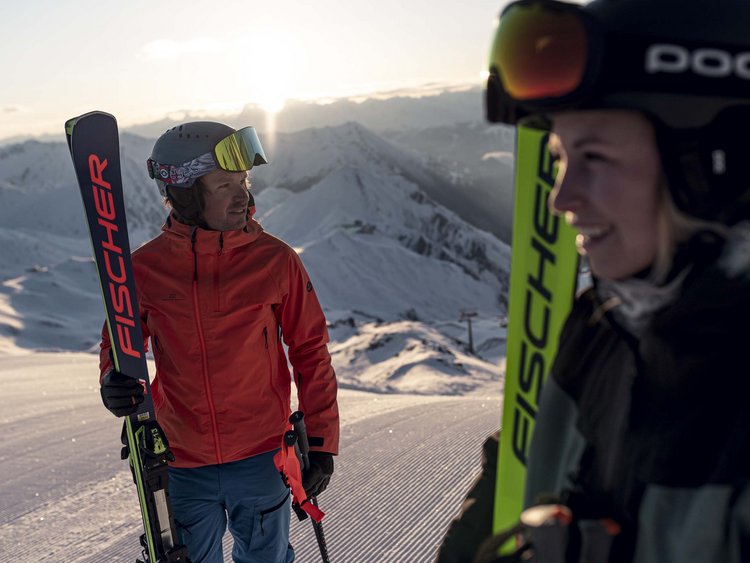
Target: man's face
[(225, 200), (609, 188)]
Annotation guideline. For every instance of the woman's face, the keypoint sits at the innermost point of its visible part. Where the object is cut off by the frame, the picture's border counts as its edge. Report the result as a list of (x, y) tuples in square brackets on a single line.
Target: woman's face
[(609, 188)]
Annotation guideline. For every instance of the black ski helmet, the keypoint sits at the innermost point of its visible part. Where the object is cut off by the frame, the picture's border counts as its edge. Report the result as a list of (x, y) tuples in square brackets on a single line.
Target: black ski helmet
[(186, 152), (684, 63)]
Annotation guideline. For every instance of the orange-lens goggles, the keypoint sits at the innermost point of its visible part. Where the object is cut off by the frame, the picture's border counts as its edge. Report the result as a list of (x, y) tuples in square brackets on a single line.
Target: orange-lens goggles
[(540, 50), (544, 55)]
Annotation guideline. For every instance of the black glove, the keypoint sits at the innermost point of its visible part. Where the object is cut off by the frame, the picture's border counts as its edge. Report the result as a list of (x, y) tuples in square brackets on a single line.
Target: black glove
[(121, 394), (316, 478)]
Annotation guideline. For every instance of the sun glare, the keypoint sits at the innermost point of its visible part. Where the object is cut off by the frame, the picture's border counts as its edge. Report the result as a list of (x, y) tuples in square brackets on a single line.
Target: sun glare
[(261, 58), (269, 78), (269, 81), (272, 102)]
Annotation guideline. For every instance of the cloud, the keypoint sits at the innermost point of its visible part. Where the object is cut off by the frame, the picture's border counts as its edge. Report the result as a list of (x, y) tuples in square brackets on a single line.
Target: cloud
[(13, 109), (164, 49)]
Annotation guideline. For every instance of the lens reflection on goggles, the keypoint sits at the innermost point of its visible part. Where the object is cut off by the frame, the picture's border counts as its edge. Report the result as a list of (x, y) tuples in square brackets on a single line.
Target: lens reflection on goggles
[(540, 53), (239, 151)]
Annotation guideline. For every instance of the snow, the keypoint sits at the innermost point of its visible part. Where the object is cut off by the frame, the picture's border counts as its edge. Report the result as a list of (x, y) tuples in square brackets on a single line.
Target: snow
[(393, 268), (411, 357), (406, 462)]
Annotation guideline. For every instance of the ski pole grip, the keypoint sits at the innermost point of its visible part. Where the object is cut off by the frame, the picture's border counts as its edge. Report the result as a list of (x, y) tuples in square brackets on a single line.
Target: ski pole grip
[(297, 420), (290, 438)]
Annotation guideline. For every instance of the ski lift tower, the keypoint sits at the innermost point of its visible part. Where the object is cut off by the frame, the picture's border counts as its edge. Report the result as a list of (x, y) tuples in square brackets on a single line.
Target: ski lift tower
[(467, 315)]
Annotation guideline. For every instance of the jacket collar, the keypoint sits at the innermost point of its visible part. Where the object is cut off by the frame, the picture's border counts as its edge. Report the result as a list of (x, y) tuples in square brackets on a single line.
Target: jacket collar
[(205, 241)]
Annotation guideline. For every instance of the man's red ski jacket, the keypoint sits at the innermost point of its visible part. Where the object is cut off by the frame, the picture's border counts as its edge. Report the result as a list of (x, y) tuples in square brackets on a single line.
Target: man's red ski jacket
[(216, 305)]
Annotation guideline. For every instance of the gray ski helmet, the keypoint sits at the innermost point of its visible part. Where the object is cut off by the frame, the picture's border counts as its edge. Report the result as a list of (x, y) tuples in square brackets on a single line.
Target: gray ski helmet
[(685, 64), (183, 143)]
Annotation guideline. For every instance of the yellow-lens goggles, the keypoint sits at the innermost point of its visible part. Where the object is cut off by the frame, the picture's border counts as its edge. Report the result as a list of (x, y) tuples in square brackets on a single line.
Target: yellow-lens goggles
[(239, 151)]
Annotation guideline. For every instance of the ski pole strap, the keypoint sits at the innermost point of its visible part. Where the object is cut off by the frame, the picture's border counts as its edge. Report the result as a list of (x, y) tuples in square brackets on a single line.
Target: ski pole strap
[(287, 463)]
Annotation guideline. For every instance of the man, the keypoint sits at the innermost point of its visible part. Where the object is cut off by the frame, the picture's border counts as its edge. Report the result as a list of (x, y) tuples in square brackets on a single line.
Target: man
[(217, 296)]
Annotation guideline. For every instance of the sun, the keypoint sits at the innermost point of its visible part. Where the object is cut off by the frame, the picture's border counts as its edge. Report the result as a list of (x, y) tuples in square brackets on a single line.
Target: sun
[(254, 67), (269, 76), (271, 99), (270, 81)]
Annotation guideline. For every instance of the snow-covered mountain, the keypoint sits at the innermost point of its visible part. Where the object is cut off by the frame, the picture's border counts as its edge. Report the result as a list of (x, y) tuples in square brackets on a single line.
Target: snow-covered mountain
[(39, 194), (474, 191), (378, 247), (393, 241), (478, 159)]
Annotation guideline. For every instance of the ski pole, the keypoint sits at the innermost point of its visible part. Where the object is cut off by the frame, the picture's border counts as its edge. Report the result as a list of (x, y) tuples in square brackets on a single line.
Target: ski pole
[(297, 420)]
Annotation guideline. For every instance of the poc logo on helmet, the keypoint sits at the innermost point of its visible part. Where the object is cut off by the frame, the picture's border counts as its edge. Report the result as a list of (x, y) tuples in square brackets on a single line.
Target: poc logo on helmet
[(713, 63)]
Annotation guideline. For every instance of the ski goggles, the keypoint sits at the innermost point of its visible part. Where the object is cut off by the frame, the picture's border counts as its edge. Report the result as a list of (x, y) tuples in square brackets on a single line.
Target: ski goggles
[(237, 152), (552, 56), (544, 56)]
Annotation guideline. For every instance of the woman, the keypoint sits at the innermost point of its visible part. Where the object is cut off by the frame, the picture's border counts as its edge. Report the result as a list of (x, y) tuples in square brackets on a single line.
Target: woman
[(641, 447)]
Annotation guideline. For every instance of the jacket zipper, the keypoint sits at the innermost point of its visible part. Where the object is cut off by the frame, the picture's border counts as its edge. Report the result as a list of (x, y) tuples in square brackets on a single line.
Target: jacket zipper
[(217, 275), (271, 372), (217, 285), (204, 356)]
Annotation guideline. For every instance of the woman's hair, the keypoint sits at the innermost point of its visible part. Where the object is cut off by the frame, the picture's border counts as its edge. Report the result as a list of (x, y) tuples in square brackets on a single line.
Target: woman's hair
[(675, 227)]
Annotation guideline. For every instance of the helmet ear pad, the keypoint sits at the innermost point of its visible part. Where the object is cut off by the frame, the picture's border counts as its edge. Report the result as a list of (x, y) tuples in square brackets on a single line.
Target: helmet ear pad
[(188, 203), (706, 168)]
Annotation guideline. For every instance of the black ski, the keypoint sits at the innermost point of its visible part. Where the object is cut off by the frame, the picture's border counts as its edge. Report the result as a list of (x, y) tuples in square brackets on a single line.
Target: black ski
[(95, 149)]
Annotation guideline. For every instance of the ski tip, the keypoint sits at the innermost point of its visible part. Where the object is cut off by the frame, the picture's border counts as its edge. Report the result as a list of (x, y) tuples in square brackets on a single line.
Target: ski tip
[(70, 123), (73, 121)]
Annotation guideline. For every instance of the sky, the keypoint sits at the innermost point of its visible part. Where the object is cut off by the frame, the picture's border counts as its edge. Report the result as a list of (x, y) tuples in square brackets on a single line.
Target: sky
[(143, 59)]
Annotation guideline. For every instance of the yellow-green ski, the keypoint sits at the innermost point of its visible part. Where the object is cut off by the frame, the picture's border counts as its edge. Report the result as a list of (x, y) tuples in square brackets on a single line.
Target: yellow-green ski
[(544, 266)]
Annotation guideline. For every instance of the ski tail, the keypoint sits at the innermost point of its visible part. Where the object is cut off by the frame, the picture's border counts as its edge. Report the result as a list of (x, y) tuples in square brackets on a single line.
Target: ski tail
[(544, 267), (147, 450), (93, 142)]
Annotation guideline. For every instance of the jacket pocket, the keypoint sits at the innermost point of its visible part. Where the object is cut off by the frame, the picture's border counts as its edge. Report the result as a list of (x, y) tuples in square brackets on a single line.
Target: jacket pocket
[(272, 373)]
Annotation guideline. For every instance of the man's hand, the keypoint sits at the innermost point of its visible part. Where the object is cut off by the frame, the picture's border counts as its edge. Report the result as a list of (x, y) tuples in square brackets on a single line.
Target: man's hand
[(121, 394), (316, 478)]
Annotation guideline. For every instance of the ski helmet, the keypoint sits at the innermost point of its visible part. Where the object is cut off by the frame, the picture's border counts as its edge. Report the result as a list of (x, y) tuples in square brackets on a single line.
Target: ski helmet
[(686, 65), (186, 152)]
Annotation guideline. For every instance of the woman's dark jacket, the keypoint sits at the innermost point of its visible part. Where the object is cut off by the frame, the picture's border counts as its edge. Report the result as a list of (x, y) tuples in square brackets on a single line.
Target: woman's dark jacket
[(651, 427)]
